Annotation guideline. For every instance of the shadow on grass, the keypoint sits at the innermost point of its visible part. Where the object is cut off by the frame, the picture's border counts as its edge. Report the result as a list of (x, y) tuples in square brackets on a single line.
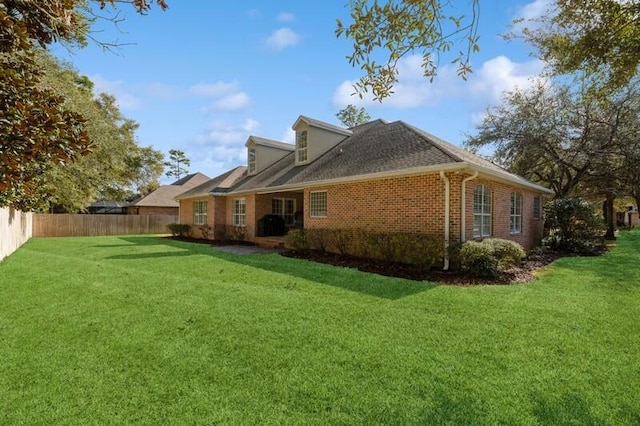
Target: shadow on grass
[(568, 409), (345, 278)]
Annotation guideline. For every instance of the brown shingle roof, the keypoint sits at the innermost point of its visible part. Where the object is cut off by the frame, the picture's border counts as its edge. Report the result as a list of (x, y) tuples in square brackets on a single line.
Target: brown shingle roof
[(374, 148), (218, 184), (165, 195)]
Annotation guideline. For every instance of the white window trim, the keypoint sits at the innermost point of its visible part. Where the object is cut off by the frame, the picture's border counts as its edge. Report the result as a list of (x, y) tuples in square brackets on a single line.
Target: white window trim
[(483, 214), (200, 213), (515, 215), (304, 149), (311, 212), (239, 219), (251, 161)]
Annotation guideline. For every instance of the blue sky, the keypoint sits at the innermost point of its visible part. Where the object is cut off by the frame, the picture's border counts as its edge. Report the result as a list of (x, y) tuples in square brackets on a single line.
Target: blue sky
[(203, 76)]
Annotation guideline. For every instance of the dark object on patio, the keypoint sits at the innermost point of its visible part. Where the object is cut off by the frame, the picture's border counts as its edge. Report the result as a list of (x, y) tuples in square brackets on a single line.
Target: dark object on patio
[(271, 225)]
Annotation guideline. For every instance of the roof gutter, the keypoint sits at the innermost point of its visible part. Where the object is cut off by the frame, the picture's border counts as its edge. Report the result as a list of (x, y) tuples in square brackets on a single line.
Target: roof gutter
[(447, 217), (463, 206), (357, 178)]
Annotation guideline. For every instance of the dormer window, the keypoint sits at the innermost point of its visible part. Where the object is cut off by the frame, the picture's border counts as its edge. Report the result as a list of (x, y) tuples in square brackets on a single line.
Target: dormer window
[(301, 147), (251, 163)]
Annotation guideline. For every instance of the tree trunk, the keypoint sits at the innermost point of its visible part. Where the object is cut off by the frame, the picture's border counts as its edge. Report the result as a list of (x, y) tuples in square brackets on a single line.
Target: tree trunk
[(611, 218)]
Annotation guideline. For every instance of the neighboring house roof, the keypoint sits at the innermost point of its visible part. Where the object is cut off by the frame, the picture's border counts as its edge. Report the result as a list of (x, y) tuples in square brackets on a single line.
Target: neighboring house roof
[(165, 195), (217, 185), (107, 204), (375, 149)]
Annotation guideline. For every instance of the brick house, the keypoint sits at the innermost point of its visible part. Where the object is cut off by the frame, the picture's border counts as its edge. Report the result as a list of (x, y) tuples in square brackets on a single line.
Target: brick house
[(380, 176), (162, 200)]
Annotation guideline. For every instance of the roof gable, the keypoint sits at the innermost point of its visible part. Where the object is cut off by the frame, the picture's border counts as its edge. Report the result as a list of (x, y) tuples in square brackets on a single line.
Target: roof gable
[(376, 149), (218, 184)]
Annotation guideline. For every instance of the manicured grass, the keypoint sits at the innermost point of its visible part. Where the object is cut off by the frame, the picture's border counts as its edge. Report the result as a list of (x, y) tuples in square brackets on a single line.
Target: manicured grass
[(119, 330)]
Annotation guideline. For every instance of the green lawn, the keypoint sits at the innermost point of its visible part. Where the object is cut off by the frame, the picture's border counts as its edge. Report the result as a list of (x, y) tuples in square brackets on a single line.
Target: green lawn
[(115, 330)]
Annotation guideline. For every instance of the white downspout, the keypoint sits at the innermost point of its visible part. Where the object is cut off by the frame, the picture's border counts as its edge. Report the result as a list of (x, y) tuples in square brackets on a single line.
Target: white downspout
[(447, 218), (463, 210)]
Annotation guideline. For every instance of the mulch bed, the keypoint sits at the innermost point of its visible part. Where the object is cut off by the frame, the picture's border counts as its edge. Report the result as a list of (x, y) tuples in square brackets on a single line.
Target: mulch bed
[(523, 274)]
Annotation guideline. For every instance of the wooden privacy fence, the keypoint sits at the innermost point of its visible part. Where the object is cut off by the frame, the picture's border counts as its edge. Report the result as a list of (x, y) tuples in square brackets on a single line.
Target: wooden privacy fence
[(15, 230), (86, 225)]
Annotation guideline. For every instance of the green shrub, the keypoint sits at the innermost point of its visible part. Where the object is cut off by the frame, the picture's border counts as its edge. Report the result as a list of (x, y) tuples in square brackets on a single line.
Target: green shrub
[(489, 257), (179, 229), (477, 259), (412, 249), (572, 225), (236, 233), (206, 231), (508, 253), (296, 240), (342, 240), (318, 239)]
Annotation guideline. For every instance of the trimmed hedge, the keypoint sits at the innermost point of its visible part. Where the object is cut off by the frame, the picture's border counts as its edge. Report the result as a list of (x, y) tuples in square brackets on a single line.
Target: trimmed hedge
[(489, 257), (420, 250), (179, 229)]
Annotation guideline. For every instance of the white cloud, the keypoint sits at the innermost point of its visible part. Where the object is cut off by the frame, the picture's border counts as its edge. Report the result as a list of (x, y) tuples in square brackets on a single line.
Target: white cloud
[(412, 89), (124, 99), (534, 10), (214, 90), (286, 17), (289, 136), (500, 74), (221, 145), (229, 134), (281, 38), (250, 125), (484, 87), (233, 102)]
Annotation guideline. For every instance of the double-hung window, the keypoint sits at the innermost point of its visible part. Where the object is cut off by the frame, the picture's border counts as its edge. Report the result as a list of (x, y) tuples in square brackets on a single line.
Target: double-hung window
[(285, 208), (200, 212), (318, 204), (481, 211), (301, 147), (515, 217), (536, 207), (239, 212), (251, 161)]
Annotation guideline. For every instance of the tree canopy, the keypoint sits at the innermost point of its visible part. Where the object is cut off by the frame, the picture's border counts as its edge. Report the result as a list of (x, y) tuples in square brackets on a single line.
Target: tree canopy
[(561, 137), (401, 27), (351, 116), (177, 164), (597, 36), (37, 129)]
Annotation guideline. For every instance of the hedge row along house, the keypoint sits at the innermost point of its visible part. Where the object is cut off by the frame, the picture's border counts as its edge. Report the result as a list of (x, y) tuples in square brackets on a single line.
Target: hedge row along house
[(380, 176)]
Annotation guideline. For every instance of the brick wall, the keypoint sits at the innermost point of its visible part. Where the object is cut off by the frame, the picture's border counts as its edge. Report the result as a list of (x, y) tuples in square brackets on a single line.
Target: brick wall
[(416, 204), (186, 213), (501, 213), (400, 204)]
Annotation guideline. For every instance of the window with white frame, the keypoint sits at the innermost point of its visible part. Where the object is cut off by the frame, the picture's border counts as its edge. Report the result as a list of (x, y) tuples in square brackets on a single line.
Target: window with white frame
[(239, 212), (318, 204), (200, 212), (481, 211), (536, 207), (285, 208), (515, 218), (301, 147), (251, 161)]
